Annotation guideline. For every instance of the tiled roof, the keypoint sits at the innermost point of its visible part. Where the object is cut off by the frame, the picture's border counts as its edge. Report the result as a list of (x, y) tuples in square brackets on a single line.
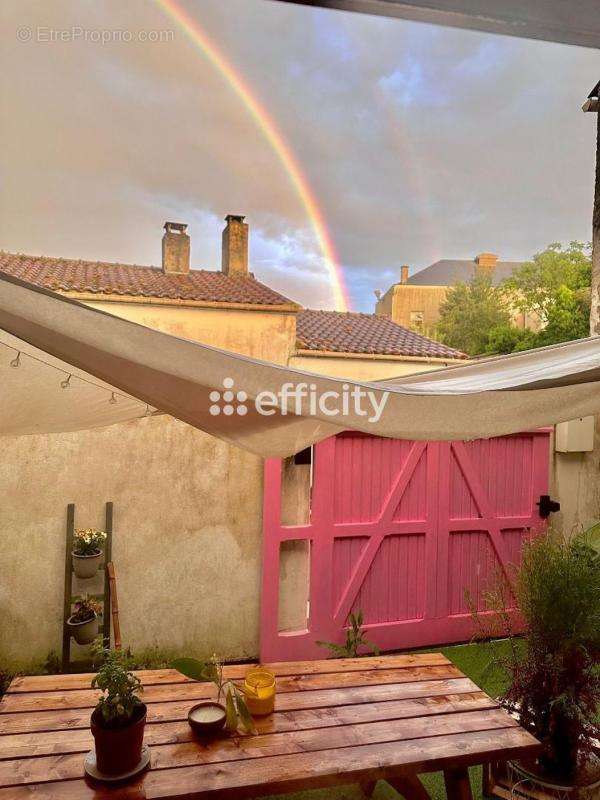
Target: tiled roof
[(349, 332), (129, 280), (450, 271)]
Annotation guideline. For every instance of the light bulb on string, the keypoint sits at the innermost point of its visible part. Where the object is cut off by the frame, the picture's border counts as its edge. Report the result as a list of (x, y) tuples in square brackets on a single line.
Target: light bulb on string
[(113, 399), (66, 383), (148, 411), (16, 362)]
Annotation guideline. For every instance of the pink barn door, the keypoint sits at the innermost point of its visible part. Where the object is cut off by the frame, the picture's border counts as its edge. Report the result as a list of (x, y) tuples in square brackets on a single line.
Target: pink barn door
[(402, 530)]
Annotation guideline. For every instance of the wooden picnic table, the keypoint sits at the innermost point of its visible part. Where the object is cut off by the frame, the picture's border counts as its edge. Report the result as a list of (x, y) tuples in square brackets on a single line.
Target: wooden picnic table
[(338, 721)]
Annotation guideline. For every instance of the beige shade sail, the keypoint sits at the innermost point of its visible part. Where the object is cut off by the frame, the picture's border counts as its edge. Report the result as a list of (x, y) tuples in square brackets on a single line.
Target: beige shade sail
[(121, 370)]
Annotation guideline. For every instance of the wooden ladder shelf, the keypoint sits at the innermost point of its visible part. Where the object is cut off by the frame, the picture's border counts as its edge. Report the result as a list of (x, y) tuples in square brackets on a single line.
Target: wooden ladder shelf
[(102, 595)]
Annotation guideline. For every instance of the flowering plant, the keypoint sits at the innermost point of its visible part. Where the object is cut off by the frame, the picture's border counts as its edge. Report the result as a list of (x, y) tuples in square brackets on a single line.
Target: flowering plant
[(88, 541), (119, 687), (85, 609)]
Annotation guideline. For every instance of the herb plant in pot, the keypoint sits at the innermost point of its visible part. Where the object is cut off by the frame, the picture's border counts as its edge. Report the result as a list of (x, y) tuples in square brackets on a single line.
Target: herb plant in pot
[(87, 551), (83, 622), (119, 718)]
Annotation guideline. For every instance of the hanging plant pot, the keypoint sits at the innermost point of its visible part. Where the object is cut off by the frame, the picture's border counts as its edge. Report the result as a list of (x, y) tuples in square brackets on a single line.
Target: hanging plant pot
[(119, 747), (84, 632), (86, 566)]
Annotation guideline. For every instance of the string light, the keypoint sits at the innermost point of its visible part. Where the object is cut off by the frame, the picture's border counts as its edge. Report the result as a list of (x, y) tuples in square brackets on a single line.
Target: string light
[(66, 383)]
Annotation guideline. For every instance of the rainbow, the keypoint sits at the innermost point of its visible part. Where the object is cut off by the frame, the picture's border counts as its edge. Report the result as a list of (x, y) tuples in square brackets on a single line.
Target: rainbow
[(267, 125)]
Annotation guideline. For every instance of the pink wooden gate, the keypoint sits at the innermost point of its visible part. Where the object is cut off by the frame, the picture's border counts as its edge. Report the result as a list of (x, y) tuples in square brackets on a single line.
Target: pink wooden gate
[(402, 530)]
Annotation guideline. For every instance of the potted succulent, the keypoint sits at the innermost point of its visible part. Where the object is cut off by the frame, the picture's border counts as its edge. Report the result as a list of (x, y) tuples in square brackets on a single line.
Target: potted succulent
[(119, 718), (87, 551), (83, 622), (210, 716), (554, 679)]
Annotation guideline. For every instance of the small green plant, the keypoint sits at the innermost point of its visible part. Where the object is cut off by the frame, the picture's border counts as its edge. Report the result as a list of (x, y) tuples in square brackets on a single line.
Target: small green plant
[(88, 541), (212, 671), (119, 686), (355, 640), (86, 608)]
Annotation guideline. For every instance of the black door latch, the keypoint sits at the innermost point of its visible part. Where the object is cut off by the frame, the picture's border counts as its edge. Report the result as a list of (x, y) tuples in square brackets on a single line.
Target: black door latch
[(547, 506)]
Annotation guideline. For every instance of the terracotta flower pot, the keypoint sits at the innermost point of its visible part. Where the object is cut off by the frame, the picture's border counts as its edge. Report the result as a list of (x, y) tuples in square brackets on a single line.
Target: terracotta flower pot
[(84, 632), (118, 749), (86, 566)]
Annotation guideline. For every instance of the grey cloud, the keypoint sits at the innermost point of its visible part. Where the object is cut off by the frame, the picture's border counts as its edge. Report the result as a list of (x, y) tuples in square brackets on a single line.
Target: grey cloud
[(419, 142)]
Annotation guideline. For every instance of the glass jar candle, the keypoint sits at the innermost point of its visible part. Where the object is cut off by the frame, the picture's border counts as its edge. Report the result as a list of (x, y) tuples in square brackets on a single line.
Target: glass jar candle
[(259, 691)]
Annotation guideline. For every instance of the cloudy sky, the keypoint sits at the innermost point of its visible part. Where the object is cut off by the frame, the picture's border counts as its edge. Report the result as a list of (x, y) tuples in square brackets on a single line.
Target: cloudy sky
[(418, 142)]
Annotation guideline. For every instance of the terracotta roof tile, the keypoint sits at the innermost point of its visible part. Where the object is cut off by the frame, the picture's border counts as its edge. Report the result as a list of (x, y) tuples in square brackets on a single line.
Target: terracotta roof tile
[(316, 330), (351, 332), (97, 277)]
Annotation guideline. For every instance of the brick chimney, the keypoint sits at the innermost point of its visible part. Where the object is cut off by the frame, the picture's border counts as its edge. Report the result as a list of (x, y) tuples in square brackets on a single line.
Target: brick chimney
[(486, 262), (404, 273), (234, 253), (175, 249)]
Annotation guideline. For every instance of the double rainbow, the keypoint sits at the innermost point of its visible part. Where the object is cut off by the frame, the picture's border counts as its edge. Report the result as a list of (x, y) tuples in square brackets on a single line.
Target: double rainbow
[(282, 149)]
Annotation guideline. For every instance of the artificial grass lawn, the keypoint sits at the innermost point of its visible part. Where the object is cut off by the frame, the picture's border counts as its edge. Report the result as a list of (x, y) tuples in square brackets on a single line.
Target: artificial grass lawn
[(472, 659)]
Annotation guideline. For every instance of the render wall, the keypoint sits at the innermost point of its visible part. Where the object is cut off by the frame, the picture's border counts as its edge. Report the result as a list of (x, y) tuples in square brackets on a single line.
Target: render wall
[(186, 544), (367, 369), (268, 335), (188, 513)]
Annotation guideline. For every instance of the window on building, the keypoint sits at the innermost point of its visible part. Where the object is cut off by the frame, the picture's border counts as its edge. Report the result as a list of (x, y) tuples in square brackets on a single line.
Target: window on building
[(416, 320)]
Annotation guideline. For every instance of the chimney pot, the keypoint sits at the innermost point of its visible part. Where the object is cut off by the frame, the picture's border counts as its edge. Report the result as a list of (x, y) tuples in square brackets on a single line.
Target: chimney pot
[(404, 273), (486, 261), (234, 254), (175, 249)]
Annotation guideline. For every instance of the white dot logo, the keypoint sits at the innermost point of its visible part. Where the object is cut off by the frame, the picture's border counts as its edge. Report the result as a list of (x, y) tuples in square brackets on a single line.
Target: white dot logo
[(233, 402)]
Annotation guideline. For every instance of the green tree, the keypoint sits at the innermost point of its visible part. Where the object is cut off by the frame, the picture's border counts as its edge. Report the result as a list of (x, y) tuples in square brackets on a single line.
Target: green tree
[(469, 312), (555, 287), (508, 338)]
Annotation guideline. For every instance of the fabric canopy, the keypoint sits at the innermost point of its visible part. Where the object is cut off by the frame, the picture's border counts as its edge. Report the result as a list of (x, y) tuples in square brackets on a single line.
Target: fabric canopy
[(65, 366)]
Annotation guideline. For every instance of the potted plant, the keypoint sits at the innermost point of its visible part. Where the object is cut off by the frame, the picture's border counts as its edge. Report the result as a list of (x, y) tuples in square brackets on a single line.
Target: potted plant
[(554, 680), (119, 717), (87, 551), (212, 716), (83, 622)]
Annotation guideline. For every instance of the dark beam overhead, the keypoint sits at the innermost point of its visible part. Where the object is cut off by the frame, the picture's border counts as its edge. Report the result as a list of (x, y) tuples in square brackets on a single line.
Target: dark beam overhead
[(567, 21)]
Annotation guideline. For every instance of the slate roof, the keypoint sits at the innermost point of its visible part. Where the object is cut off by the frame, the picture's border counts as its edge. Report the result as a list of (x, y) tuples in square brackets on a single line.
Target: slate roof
[(130, 280), (352, 332), (449, 271)]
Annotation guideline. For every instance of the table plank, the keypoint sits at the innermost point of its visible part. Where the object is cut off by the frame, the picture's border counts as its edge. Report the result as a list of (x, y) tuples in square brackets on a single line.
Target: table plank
[(282, 773), (41, 683), (80, 740), (70, 718), (87, 698), (241, 748)]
